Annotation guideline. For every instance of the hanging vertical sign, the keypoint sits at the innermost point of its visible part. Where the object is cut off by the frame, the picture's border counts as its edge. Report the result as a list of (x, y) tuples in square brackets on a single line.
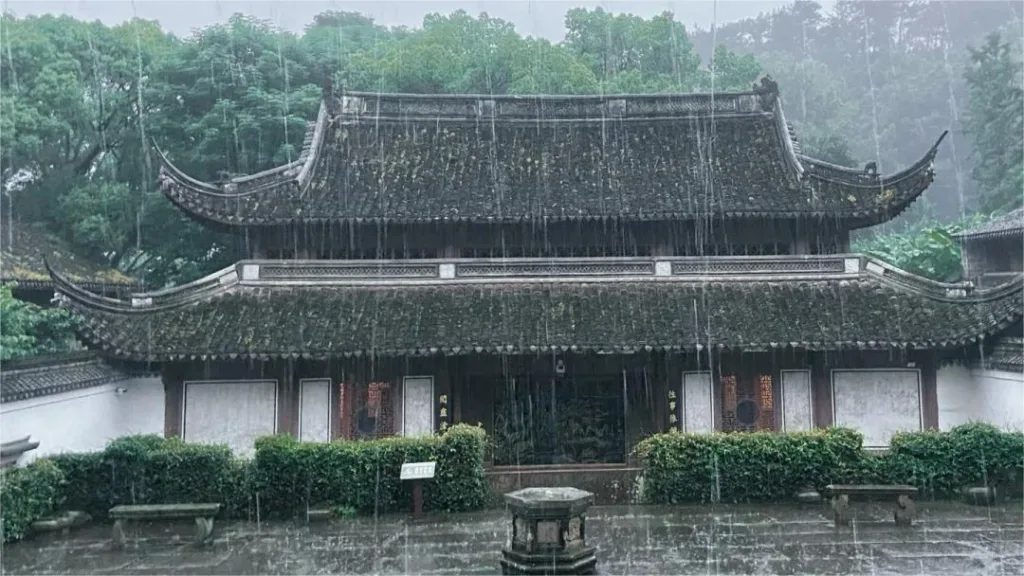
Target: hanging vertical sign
[(442, 418), (673, 419)]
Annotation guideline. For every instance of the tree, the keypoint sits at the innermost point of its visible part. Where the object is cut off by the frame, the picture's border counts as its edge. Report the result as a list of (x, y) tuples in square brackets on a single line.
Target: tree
[(995, 120), (926, 248), (28, 330)]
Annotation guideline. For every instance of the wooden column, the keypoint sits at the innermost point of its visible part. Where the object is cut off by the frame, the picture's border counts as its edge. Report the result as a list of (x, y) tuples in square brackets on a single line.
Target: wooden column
[(928, 364), (288, 400), (336, 375), (346, 397), (821, 392), (174, 400)]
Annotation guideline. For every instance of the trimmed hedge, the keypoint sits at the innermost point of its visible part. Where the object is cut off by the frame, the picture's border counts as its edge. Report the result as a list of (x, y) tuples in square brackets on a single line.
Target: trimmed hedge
[(152, 470), (767, 466), (364, 476), (26, 495), (284, 478)]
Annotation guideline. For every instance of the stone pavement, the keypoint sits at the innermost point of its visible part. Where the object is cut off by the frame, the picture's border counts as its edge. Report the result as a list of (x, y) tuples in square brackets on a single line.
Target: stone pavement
[(948, 538)]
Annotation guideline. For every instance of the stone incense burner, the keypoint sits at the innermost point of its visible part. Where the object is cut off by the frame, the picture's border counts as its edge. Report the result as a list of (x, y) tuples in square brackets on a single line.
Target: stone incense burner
[(548, 532)]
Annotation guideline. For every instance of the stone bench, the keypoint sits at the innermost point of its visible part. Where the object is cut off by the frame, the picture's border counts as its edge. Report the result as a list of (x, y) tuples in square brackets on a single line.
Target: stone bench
[(203, 514), (840, 494)]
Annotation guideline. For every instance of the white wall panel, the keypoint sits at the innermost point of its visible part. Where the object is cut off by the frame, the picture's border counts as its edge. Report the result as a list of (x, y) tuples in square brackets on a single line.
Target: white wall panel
[(698, 411), (418, 406), (235, 413), (315, 410), (879, 403), (796, 400), (85, 420)]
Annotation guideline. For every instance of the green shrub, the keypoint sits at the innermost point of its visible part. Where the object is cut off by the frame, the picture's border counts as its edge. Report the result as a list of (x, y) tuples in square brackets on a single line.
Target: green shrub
[(364, 476), (152, 470), (26, 495), (759, 466), (941, 463), (769, 466), (88, 482)]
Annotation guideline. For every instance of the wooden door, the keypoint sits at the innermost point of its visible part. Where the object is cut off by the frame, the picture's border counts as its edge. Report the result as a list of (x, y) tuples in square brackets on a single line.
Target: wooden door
[(748, 400)]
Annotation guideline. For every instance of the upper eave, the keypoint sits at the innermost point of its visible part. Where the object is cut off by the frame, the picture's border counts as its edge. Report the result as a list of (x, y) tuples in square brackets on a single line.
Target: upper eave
[(380, 176), (322, 309)]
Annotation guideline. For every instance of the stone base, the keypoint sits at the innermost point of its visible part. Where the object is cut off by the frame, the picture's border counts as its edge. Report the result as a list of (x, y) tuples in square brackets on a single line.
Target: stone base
[(582, 561), (319, 515), (980, 496), (63, 521), (808, 496)]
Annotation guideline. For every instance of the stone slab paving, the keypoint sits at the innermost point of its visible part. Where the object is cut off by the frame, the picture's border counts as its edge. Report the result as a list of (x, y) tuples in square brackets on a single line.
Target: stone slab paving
[(948, 538)]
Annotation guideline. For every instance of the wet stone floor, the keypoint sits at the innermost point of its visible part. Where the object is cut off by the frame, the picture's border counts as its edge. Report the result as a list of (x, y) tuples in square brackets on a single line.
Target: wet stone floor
[(947, 538)]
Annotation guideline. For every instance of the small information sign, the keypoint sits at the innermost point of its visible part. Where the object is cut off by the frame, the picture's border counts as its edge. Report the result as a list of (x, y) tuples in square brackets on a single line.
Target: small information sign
[(418, 471)]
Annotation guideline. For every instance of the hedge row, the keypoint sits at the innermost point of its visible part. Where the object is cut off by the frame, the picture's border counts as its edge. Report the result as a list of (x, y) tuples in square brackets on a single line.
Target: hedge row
[(771, 466), (26, 495), (285, 477), (364, 476), (153, 470)]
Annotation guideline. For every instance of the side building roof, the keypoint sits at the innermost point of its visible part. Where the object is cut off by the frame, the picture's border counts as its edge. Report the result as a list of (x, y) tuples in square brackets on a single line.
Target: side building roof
[(415, 158), (1010, 224), (24, 248), (266, 309), (46, 375)]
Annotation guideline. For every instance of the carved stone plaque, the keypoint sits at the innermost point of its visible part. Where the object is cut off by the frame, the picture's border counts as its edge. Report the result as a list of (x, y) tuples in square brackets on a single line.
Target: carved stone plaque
[(573, 530), (547, 532)]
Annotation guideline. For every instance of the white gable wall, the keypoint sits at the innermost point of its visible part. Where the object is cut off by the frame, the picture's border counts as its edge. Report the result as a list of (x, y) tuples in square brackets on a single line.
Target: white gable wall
[(85, 420), (977, 395)]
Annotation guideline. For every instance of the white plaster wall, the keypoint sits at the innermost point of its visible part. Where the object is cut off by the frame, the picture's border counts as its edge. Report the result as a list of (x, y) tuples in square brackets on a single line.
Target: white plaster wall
[(315, 410), (85, 420), (698, 410), (234, 413), (1000, 398), (879, 403), (955, 391), (976, 395), (796, 400), (418, 406)]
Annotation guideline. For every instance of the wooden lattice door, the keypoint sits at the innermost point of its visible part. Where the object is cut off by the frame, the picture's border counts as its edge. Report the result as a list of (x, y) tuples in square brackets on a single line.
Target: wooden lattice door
[(748, 402), (366, 410)]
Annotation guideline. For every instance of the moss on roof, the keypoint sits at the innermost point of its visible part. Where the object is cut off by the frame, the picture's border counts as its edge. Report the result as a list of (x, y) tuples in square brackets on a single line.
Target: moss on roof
[(22, 260)]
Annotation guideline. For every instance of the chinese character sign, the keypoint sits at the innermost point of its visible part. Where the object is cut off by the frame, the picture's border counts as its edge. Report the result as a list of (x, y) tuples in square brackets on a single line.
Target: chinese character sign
[(442, 418), (673, 418)]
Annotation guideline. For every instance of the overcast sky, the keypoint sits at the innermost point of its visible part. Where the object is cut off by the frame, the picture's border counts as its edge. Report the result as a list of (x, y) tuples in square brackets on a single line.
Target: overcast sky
[(530, 17)]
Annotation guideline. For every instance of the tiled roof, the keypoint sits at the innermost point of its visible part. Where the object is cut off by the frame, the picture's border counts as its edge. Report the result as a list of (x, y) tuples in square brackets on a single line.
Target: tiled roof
[(411, 158), (329, 315), (1011, 223), (30, 378), (22, 256)]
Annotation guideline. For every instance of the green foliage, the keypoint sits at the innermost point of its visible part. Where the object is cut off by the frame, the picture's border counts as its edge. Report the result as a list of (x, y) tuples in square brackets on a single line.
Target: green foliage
[(928, 249), (364, 476), (80, 102), (995, 119), (28, 494), (28, 330), (941, 463), (768, 466), (763, 466), (152, 470)]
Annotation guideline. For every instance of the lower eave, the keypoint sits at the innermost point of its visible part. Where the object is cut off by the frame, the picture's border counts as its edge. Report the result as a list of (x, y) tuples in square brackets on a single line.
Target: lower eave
[(278, 320)]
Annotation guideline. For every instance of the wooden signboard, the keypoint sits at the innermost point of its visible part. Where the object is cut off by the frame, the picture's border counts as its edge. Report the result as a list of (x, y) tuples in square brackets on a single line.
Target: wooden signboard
[(417, 472)]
